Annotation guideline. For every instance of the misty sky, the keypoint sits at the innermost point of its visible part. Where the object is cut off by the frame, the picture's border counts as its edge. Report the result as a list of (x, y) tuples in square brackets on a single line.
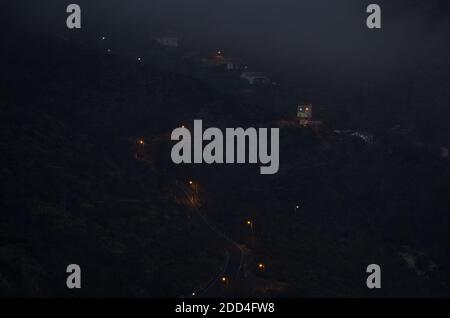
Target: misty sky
[(321, 36)]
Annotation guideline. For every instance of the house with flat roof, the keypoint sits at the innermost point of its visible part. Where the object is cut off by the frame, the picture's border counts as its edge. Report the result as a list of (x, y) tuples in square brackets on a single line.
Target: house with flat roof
[(255, 78), (168, 41)]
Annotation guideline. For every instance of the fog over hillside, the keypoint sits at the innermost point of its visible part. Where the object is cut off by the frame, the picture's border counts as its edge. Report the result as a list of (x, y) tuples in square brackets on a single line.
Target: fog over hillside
[(292, 36), (88, 126)]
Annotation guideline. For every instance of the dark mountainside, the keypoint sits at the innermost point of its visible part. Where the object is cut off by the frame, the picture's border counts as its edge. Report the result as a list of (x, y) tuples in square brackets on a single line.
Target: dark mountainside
[(77, 187), (72, 190)]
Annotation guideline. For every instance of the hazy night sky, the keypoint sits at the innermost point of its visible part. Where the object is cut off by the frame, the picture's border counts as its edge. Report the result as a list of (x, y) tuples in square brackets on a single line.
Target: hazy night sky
[(321, 37)]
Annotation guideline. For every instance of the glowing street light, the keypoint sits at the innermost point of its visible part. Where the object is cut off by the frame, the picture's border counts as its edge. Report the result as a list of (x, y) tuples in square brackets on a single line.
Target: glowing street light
[(261, 266), (250, 224), (103, 37), (224, 280), (140, 148), (194, 185), (139, 59)]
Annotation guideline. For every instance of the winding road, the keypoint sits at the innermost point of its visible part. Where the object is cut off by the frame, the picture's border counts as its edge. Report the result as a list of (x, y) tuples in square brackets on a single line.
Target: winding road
[(234, 252)]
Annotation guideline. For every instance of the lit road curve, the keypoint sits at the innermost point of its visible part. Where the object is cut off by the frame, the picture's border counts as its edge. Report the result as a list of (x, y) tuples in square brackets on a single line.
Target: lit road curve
[(234, 253)]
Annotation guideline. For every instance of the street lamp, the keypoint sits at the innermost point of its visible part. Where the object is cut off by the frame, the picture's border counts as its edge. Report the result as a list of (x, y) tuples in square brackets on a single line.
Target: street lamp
[(224, 280), (250, 224), (194, 186), (140, 148), (261, 266)]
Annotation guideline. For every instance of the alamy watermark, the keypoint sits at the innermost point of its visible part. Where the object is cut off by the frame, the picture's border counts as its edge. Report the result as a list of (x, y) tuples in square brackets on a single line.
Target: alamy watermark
[(73, 21), (73, 281), (235, 146), (374, 279)]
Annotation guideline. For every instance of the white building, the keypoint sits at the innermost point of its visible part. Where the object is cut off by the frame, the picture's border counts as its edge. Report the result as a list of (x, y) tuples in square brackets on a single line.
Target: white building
[(168, 41), (304, 111), (255, 78), (304, 114), (233, 65)]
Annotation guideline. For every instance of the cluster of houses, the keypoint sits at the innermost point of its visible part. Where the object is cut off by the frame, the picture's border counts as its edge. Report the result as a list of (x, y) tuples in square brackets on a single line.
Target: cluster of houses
[(220, 61)]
